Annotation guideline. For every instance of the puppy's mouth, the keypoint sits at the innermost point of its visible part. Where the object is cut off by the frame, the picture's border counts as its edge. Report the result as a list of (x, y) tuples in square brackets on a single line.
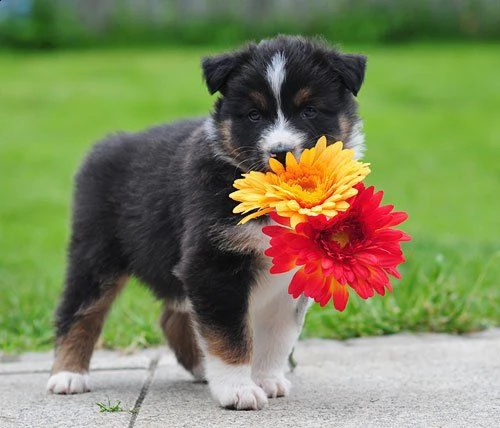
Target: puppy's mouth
[(280, 156)]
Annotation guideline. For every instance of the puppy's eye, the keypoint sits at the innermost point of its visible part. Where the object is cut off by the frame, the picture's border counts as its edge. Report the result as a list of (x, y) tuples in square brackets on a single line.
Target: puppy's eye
[(309, 113), (254, 115)]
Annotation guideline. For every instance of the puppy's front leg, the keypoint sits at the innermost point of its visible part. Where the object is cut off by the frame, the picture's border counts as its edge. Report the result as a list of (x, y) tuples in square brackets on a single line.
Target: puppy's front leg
[(228, 369), (277, 320), (219, 287)]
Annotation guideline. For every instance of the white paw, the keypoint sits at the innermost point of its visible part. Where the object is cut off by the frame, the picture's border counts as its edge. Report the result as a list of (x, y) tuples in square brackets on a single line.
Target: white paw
[(69, 383), (240, 396), (274, 386)]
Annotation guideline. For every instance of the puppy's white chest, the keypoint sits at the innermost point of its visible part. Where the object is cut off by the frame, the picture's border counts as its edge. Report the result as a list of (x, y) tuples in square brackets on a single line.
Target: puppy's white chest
[(271, 291)]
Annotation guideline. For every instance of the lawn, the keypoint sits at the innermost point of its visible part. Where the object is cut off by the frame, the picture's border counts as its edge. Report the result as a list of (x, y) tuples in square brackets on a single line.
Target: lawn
[(433, 132)]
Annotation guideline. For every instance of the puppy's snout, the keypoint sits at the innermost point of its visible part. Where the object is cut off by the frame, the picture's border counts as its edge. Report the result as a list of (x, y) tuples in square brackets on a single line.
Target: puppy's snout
[(279, 155)]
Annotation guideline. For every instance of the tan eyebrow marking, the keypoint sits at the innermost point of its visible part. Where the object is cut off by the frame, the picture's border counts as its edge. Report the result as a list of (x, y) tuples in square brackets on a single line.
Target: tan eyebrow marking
[(302, 96), (259, 99)]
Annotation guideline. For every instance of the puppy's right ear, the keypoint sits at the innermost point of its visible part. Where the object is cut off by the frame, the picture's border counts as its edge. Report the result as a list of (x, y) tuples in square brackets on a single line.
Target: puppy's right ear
[(351, 69), (217, 69)]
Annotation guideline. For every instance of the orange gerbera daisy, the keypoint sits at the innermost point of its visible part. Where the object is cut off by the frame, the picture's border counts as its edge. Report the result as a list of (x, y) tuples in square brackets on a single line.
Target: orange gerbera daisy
[(358, 248), (320, 183)]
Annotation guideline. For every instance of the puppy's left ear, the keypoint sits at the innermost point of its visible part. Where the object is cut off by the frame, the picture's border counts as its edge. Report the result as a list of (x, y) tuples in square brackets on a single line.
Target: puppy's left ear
[(351, 69), (217, 69)]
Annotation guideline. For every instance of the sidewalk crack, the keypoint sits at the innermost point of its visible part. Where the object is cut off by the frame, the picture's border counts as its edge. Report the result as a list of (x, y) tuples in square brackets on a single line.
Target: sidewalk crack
[(144, 391)]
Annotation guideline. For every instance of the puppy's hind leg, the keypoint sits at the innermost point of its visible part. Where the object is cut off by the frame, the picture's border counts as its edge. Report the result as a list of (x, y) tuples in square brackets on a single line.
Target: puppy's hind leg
[(177, 324), (85, 303)]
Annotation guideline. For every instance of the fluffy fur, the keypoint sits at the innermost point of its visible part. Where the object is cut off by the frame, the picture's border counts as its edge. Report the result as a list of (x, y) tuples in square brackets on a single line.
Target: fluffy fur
[(156, 205)]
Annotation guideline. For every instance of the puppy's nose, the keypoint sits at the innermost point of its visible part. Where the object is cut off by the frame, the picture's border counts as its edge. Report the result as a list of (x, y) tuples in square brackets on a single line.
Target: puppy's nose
[(279, 155)]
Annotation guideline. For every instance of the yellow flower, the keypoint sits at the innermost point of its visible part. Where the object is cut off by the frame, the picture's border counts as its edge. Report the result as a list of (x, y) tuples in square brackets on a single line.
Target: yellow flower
[(320, 183)]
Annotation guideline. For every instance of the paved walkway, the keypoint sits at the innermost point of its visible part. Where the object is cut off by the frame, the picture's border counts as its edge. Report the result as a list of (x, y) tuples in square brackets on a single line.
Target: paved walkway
[(394, 381)]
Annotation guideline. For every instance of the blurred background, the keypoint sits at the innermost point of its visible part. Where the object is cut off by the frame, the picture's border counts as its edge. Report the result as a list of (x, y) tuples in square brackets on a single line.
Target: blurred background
[(72, 71), (75, 23)]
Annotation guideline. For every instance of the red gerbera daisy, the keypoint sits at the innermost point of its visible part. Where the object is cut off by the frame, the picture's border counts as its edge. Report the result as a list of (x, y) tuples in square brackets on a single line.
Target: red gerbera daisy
[(356, 248)]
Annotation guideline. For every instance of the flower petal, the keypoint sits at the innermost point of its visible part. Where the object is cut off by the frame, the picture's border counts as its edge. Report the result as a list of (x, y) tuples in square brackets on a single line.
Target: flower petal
[(321, 182), (298, 283), (340, 295)]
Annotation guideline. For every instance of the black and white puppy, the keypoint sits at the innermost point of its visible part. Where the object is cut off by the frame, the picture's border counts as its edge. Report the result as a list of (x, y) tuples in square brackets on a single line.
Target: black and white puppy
[(155, 205)]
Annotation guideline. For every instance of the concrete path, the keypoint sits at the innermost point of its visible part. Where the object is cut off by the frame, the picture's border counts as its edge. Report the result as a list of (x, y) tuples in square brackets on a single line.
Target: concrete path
[(394, 381)]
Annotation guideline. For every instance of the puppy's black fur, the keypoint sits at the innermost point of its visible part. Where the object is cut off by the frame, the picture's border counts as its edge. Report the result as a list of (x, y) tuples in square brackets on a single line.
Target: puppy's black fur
[(144, 205), (156, 204)]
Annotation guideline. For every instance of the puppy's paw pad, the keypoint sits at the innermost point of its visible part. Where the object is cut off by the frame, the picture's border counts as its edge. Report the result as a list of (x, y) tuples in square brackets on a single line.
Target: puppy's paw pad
[(274, 386), (245, 396), (69, 383)]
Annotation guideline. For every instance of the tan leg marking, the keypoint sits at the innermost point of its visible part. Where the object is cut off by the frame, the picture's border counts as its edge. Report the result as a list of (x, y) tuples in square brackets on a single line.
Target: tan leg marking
[(218, 346), (181, 337), (74, 349)]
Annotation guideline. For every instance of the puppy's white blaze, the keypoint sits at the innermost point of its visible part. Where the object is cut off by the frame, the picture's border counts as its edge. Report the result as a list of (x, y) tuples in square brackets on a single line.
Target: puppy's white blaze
[(276, 75), (69, 383), (232, 385), (357, 140), (282, 136)]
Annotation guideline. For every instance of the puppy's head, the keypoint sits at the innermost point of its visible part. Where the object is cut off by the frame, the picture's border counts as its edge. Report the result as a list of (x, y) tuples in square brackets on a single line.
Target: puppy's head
[(281, 95)]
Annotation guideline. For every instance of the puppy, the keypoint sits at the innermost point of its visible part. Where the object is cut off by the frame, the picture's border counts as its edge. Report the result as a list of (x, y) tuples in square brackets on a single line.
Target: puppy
[(155, 205)]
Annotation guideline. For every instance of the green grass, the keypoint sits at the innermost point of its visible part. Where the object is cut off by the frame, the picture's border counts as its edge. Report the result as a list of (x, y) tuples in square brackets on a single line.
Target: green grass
[(433, 135), (113, 408)]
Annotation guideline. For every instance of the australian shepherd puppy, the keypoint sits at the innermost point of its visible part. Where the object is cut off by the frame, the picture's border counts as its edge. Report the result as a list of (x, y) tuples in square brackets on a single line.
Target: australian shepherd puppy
[(155, 205)]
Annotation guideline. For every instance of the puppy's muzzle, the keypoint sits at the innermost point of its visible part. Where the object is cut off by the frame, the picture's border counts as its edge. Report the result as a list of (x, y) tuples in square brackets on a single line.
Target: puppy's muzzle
[(279, 155)]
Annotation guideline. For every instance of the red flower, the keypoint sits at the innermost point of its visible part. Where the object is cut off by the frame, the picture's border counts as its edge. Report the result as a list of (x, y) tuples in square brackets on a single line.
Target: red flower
[(356, 248)]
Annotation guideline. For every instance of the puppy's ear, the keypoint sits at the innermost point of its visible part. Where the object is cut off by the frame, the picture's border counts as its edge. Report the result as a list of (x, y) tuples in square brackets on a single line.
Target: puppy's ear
[(217, 69), (351, 69)]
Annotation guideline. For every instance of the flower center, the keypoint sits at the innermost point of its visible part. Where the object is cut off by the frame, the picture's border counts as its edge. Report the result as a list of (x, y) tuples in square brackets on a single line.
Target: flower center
[(341, 238), (343, 234), (309, 184), (303, 175)]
